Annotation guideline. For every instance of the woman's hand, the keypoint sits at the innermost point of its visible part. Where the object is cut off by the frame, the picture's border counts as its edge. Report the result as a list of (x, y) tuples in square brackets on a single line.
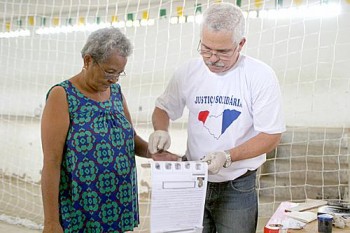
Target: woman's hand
[(165, 156), (53, 228)]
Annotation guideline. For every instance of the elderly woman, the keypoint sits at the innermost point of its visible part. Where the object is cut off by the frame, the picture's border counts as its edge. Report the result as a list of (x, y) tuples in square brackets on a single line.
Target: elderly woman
[(89, 181)]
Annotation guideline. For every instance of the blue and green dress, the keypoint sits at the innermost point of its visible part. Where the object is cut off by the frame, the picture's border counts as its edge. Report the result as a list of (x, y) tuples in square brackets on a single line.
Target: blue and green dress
[(98, 184)]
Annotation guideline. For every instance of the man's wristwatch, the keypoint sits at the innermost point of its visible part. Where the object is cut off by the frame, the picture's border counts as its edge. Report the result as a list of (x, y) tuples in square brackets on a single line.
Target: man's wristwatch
[(228, 159)]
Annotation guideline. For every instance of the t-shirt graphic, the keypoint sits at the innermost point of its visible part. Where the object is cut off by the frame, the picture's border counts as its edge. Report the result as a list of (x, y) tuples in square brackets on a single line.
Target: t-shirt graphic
[(217, 125)]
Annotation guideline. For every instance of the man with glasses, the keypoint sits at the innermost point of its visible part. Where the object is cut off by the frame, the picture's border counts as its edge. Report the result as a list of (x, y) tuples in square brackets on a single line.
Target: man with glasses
[(235, 118)]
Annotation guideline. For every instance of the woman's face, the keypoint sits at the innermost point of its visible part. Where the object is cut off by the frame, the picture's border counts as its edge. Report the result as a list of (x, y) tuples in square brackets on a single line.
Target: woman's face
[(107, 72)]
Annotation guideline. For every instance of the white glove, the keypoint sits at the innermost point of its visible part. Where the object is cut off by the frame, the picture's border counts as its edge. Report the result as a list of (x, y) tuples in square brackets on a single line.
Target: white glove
[(159, 140), (215, 161)]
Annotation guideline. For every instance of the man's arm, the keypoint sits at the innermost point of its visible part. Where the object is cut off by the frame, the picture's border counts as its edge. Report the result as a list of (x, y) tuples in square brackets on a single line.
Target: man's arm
[(141, 146), (260, 144), (160, 119)]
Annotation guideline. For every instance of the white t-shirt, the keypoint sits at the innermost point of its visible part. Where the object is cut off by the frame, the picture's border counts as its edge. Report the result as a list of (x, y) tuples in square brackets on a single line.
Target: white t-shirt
[(225, 110)]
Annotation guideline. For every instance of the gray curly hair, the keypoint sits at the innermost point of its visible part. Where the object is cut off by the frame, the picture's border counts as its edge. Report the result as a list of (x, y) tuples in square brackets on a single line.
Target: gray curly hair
[(102, 42), (224, 17)]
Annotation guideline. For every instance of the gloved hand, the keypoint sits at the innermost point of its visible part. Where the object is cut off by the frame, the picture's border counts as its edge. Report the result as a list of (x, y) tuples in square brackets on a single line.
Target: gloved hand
[(159, 140), (216, 161)]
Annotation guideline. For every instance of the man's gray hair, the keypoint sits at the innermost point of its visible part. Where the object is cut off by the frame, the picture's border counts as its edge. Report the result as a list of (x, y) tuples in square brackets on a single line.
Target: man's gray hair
[(224, 17), (102, 42)]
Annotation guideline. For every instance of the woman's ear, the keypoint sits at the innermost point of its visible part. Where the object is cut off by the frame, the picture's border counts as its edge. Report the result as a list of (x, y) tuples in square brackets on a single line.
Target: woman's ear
[(87, 60)]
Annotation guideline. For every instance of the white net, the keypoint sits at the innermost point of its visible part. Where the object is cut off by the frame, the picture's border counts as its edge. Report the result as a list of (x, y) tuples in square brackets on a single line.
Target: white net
[(306, 43)]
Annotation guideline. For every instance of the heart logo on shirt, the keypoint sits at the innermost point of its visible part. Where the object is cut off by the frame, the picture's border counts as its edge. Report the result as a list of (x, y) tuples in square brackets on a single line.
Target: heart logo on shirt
[(202, 116)]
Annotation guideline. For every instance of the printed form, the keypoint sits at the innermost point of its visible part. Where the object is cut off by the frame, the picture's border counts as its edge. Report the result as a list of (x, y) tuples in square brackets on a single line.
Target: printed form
[(178, 196)]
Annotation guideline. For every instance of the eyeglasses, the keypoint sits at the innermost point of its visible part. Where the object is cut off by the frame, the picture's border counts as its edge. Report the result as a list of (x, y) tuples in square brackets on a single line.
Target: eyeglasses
[(109, 75), (221, 54)]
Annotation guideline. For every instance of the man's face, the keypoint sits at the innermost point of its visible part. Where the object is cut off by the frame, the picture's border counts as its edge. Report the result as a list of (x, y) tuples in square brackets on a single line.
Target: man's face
[(218, 50)]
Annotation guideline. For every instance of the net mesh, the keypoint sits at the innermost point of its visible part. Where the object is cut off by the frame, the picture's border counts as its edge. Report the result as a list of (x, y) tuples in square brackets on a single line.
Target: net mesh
[(306, 43)]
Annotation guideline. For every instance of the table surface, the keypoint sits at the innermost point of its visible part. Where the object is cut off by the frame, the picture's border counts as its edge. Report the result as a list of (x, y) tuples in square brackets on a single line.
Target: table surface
[(312, 228)]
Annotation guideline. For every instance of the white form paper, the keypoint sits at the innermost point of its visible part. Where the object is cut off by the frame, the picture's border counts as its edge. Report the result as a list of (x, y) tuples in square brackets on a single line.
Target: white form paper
[(178, 196)]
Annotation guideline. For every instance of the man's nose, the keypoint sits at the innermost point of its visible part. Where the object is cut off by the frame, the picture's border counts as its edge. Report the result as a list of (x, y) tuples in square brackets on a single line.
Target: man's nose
[(214, 57)]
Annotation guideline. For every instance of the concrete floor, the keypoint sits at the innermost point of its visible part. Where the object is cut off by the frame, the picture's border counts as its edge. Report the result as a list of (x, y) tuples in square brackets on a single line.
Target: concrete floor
[(7, 228)]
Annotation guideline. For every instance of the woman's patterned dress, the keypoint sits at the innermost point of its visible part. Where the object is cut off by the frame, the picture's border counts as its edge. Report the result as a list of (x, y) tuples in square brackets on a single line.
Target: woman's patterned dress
[(98, 185)]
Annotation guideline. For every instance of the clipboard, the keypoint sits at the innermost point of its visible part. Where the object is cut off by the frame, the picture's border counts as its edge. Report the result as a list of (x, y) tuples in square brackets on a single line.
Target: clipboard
[(178, 196)]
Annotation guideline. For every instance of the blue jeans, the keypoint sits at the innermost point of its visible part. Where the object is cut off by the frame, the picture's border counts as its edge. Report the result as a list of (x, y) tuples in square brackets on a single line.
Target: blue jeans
[(232, 206)]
